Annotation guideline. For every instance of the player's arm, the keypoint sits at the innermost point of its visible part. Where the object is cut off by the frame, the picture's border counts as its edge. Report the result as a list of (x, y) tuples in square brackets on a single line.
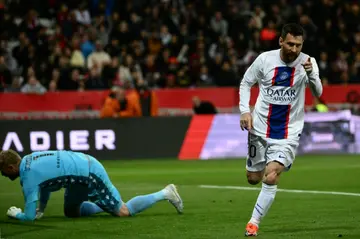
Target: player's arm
[(31, 198), (44, 198), (312, 70), (251, 76)]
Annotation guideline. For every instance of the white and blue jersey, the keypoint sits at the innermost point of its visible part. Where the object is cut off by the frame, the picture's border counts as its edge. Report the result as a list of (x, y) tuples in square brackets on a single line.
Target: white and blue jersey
[(279, 109), (44, 172)]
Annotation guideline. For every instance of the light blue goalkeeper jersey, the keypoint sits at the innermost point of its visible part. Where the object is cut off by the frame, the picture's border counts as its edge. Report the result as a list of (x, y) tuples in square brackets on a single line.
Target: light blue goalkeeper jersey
[(48, 171)]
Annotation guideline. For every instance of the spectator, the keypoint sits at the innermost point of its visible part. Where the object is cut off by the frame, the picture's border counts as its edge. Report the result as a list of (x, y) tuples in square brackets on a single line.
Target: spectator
[(145, 99), (219, 25), (205, 79), (21, 52), (16, 84), (10, 61), (113, 48), (165, 35), (5, 74), (323, 64), (98, 58), (70, 81), (125, 74), (203, 107), (354, 75), (117, 104), (77, 59), (226, 76), (53, 86), (33, 86), (93, 80), (83, 15)]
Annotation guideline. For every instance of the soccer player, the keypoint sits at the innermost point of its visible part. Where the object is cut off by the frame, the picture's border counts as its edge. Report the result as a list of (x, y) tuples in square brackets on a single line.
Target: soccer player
[(88, 189), (276, 123)]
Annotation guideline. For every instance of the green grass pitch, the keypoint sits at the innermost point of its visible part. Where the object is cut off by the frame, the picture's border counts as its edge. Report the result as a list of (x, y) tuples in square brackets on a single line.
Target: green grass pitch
[(209, 213)]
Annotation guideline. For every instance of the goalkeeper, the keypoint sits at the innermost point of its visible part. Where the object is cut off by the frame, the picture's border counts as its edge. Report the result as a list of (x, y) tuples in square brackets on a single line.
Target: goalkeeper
[(88, 189)]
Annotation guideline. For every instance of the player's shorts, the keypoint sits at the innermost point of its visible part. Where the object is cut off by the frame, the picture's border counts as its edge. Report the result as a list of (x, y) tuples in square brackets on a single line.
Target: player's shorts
[(101, 191), (262, 151)]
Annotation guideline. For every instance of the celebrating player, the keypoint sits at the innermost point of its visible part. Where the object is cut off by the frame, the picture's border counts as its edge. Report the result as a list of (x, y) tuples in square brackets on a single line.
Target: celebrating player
[(276, 123), (88, 189)]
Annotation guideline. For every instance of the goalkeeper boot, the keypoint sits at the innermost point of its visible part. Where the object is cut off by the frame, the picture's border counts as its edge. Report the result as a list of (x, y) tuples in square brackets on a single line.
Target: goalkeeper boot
[(172, 195)]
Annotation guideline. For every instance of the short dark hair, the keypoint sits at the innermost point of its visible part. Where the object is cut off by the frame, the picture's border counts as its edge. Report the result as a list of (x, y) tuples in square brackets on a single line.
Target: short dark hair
[(293, 29)]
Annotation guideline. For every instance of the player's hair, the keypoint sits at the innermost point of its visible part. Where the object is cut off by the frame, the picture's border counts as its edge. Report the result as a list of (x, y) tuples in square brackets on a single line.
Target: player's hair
[(293, 29), (9, 157)]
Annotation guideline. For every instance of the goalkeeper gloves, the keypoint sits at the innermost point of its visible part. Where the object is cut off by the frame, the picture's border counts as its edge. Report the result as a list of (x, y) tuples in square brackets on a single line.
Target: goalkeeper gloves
[(13, 211)]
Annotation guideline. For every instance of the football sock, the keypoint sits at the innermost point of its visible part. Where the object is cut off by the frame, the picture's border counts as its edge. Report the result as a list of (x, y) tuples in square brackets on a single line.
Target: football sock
[(263, 203), (140, 203), (89, 208)]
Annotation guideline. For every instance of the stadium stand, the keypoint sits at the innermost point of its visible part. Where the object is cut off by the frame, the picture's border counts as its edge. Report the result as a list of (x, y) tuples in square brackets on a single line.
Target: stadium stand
[(96, 45), (83, 45)]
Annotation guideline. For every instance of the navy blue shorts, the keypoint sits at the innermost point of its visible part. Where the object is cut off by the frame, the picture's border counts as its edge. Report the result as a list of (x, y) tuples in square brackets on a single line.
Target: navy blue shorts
[(97, 188)]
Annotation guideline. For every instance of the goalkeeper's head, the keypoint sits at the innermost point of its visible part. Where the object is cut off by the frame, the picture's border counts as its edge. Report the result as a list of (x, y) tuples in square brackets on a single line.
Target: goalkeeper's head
[(9, 164)]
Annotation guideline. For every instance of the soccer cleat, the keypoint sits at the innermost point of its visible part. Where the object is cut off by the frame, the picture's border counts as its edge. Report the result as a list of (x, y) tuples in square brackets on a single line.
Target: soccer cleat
[(251, 230), (172, 195)]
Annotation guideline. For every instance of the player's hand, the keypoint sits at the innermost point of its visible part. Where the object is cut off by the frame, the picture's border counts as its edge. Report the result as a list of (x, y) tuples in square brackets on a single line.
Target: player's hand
[(246, 121), (308, 66), (13, 211), (39, 214)]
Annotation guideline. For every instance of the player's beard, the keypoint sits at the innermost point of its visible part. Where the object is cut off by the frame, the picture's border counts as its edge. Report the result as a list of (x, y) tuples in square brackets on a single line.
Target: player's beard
[(292, 56)]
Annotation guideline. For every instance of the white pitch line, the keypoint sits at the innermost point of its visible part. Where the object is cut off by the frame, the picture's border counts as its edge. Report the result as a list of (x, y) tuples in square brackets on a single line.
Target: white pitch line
[(281, 190)]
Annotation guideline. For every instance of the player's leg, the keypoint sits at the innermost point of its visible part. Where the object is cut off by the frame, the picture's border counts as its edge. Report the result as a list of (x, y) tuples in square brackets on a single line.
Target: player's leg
[(109, 199), (265, 197), (139, 204), (255, 167), (88, 208), (106, 196), (143, 202), (279, 158), (255, 162), (76, 204)]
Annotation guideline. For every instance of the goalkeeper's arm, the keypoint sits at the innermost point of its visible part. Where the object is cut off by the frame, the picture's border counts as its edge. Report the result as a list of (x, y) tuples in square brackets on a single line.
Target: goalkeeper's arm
[(29, 213), (31, 195), (44, 198), (31, 198)]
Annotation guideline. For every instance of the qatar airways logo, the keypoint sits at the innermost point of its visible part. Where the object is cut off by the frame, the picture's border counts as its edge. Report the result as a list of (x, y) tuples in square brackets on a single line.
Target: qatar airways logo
[(283, 95)]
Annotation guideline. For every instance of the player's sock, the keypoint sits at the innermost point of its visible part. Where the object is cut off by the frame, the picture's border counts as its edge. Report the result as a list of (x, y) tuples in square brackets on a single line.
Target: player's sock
[(140, 203), (89, 208), (263, 203)]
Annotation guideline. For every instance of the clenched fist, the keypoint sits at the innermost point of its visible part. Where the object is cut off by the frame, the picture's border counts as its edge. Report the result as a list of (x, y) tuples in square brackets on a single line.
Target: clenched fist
[(246, 121), (308, 66)]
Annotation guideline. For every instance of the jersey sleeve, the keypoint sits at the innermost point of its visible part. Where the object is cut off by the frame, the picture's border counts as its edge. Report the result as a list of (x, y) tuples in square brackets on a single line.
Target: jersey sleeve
[(31, 196), (314, 81), (29, 213), (251, 76)]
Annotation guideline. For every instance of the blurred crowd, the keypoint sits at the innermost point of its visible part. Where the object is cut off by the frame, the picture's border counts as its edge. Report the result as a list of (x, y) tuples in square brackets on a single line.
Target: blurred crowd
[(51, 45)]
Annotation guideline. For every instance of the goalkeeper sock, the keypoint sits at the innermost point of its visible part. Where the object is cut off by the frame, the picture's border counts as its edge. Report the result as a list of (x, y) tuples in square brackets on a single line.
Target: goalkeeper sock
[(263, 203), (141, 203), (89, 208)]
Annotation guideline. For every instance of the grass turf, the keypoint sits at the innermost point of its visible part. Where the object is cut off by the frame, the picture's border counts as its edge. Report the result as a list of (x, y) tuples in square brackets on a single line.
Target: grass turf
[(209, 213)]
